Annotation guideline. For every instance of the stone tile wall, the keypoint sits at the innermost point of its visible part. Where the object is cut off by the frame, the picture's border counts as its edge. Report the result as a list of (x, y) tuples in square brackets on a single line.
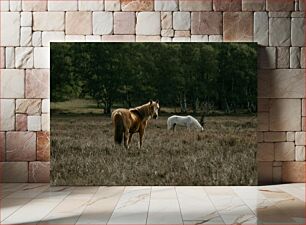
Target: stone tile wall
[(28, 26)]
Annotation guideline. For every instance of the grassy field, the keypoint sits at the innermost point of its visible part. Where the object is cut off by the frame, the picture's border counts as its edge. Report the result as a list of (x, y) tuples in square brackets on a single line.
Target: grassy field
[(83, 153)]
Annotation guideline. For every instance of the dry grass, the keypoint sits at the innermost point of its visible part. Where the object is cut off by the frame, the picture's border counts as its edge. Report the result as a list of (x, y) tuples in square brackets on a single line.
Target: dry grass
[(83, 153)]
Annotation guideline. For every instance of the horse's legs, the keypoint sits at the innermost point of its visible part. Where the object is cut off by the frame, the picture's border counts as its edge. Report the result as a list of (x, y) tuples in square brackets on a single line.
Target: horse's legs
[(126, 135), (130, 138), (141, 132), (173, 126), (188, 126)]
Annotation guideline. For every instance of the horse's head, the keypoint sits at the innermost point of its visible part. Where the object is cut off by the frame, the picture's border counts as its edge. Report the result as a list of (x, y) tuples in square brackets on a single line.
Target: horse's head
[(154, 108)]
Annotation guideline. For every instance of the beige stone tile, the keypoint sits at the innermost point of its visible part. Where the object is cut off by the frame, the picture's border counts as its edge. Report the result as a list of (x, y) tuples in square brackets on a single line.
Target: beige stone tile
[(274, 136), (5, 5), (2, 146), (181, 39), (295, 57), (281, 83), (7, 114), (170, 5), (300, 138), (293, 172), (21, 122), (181, 21), (124, 22), (45, 108), (199, 38), (283, 57), (37, 39), (39, 172), (263, 105), (300, 153), (37, 83), (264, 170), (26, 19), (143, 38), (137, 5), (28, 106), (48, 21), (93, 38), (290, 136), (203, 5), (102, 23), (166, 39), (21, 146), (118, 38), (45, 122), (12, 83), (43, 146), (263, 121), (284, 151), (14, 172), (274, 5), (2, 57), (52, 36), (143, 28), (10, 28), (91, 5), (10, 57), (112, 5), (41, 57), (265, 152), (34, 5), (227, 5), (267, 58), (78, 23), (166, 20), (75, 38), (25, 36), (206, 23), (238, 26), (61, 5), (279, 32), (34, 123), (215, 38), (167, 33), (261, 28), (285, 115), (24, 57), (260, 136), (253, 5), (297, 32)]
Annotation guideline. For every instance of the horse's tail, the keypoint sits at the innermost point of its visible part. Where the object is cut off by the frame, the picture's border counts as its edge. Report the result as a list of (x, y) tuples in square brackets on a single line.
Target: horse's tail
[(119, 128)]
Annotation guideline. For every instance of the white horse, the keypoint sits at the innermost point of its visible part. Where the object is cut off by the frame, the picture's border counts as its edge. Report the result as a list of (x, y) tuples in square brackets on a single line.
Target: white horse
[(186, 121)]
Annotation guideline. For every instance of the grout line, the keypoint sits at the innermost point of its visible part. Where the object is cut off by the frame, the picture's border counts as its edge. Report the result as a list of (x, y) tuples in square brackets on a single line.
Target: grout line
[(88, 201), (179, 204), (27, 203), (55, 207), (214, 206), (116, 205), (149, 205)]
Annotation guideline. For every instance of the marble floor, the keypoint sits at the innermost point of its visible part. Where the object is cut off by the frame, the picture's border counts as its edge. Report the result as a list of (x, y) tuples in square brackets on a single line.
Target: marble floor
[(42, 204)]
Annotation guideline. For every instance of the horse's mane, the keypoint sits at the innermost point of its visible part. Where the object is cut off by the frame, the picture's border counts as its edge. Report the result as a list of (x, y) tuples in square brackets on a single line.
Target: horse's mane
[(141, 111)]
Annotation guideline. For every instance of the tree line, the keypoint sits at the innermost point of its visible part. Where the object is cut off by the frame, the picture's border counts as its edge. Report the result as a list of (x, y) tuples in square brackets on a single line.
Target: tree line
[(193, 76)]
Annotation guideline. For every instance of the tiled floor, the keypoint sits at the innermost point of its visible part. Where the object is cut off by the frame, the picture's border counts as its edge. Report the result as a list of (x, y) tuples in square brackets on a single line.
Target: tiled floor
[(41, 204)]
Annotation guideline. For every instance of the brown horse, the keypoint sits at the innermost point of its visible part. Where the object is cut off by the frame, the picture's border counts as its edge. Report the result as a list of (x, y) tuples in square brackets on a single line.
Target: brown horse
[(126, 122)]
